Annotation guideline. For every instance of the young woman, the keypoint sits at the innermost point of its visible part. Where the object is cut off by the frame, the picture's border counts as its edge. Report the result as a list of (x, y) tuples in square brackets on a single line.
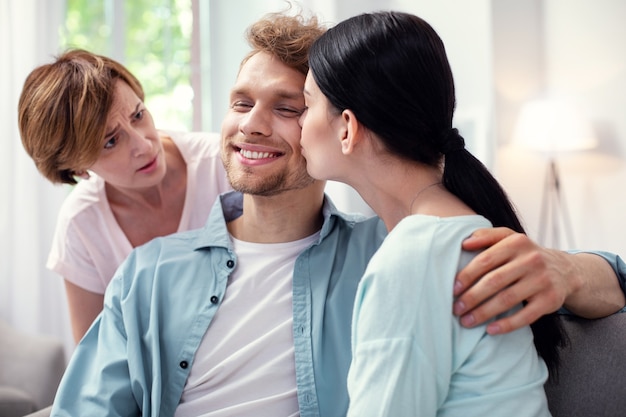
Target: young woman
[(83, 117), (380, 98)]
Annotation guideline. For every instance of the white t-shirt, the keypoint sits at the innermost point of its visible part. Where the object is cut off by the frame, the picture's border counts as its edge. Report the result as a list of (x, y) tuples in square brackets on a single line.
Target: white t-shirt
[(88, 243), (245, 364)]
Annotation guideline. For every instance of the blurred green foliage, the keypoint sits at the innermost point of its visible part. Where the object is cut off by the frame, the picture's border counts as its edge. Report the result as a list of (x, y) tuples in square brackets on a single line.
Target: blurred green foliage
[(155, 41)]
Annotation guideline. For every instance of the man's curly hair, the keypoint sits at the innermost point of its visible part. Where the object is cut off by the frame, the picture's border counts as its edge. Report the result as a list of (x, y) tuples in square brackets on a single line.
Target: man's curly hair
[(286, 37)]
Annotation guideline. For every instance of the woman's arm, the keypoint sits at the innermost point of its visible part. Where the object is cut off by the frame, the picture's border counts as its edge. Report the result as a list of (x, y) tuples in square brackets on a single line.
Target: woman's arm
[(84, 307), (513, 269)]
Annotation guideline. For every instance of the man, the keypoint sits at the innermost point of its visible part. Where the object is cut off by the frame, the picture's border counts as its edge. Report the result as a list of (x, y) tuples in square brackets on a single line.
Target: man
[(250, 315)]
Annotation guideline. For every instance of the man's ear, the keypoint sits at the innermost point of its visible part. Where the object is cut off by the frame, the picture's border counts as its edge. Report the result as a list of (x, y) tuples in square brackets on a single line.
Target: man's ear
[(351, 134)]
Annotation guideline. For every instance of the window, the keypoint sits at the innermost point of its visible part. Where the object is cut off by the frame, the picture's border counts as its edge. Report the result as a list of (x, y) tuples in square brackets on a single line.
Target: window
[(152, 38)]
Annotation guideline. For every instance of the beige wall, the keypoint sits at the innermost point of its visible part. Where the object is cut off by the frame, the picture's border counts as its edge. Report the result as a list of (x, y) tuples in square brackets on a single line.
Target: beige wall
[(502, 52), (570, 48)]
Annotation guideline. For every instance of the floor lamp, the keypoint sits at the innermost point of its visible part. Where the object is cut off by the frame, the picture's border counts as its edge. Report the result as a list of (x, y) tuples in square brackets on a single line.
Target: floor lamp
[(553, 128)]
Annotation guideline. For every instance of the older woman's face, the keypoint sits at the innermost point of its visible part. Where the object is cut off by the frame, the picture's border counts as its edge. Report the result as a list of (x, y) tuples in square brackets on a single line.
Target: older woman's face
[(132, 153)]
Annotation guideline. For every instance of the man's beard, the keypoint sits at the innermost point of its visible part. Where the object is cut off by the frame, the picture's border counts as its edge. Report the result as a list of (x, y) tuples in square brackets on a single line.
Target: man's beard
[(248, 183)]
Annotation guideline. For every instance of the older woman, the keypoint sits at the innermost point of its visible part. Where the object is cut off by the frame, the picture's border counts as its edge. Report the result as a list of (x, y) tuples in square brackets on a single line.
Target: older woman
[(82, 119)]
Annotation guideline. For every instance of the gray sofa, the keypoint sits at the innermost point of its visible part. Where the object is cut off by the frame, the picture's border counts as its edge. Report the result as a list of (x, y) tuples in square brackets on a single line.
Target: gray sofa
[(592, 379), (31, 367)]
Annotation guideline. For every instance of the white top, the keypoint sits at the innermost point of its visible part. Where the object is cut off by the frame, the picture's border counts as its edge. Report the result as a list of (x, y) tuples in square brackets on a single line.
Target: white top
[(245, 365), (88, 243), (411, 356)]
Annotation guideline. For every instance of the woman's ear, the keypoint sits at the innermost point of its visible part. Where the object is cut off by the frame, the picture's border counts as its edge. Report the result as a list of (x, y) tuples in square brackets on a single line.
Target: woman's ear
[(351, 132)]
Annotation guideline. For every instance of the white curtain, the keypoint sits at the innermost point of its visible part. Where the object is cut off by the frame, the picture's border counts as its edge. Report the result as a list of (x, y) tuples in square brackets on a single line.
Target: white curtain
[(31, 297)]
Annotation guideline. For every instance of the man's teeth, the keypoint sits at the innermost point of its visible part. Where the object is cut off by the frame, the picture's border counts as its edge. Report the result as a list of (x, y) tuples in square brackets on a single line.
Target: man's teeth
[(255, 154)]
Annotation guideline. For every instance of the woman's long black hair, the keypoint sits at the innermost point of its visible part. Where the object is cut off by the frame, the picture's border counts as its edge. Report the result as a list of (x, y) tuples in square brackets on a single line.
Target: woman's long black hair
[(391, 70)]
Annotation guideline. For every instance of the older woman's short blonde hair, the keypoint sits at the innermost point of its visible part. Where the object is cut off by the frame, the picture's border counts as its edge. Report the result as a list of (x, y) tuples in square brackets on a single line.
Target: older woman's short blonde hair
[(63, 110)]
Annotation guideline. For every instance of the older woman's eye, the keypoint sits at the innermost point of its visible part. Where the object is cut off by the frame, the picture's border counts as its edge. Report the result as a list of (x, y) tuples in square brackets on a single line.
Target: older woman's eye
[(110, 143), (139, 115)]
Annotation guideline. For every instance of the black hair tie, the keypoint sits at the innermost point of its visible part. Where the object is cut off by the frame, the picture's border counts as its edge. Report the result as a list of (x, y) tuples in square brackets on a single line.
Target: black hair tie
[(452, 142)]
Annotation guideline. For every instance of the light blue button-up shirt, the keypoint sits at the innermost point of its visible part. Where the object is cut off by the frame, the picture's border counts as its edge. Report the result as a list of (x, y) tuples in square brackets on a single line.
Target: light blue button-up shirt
[(618, 265), (136, 357)]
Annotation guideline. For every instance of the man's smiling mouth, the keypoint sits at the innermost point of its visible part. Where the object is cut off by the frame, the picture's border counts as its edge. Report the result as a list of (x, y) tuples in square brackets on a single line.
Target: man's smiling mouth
[(258, 155)]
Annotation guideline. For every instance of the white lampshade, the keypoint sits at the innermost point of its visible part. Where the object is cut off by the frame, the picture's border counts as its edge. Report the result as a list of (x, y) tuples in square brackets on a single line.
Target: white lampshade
[(553, 126)]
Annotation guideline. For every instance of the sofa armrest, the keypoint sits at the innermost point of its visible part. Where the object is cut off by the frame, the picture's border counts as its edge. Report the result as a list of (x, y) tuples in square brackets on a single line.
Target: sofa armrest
[(31, 363), (14, 402), (41, 413)]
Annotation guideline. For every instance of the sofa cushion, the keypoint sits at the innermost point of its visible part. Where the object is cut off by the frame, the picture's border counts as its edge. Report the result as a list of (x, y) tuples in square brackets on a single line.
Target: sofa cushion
[(31, 363), (15, 402), (593, 369)]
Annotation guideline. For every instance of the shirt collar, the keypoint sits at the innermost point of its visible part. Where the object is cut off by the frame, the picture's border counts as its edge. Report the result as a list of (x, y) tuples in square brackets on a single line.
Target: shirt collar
[(228, 206)]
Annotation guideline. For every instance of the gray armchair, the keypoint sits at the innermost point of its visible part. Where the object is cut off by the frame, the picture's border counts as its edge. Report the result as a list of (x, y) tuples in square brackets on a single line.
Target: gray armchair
[(31, 367)]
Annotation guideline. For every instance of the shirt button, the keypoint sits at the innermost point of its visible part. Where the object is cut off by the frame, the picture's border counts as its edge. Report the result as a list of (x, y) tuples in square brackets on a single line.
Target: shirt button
[(184, 364), (230, 263), (214, 299)]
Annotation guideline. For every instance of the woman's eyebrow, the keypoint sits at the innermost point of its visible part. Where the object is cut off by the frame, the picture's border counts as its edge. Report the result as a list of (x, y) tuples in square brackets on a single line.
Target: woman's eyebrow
[(136, 110)]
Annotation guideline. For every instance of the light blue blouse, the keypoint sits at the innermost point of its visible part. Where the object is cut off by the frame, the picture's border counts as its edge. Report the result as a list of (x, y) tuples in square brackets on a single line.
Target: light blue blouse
[(411, 356)]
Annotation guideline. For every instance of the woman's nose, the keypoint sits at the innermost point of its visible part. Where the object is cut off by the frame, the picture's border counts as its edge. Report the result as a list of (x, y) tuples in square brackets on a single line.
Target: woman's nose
[(141, 142)]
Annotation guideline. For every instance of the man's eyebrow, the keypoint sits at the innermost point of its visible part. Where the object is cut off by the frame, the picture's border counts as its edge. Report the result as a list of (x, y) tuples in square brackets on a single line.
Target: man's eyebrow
[(289, 94), (279, 92), (238, 91)]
